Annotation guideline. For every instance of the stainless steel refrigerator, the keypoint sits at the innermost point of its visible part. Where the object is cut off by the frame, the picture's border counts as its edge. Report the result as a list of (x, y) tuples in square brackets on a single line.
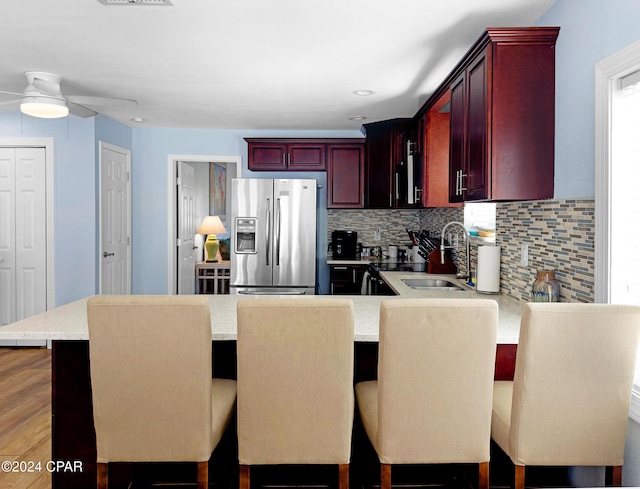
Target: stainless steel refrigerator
[(273, 236)]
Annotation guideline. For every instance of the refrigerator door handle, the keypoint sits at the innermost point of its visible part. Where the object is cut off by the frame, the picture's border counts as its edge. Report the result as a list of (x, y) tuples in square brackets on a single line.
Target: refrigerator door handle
[(268, 247), (278, 233), (266, 292)]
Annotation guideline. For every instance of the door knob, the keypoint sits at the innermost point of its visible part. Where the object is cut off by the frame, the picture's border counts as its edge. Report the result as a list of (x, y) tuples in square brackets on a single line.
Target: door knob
[(105, 254)]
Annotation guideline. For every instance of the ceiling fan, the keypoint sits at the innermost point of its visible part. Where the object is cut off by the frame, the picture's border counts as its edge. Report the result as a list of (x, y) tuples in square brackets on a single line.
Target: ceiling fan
[(43, 98)]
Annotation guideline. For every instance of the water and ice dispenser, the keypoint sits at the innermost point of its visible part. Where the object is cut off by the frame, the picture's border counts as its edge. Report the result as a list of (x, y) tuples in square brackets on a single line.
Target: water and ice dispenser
[(246, 230)]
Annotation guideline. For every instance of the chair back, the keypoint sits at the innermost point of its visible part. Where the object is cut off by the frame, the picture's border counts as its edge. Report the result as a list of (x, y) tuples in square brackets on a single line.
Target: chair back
[(150, 361), (435, 380), (572, 385), (295, 381)]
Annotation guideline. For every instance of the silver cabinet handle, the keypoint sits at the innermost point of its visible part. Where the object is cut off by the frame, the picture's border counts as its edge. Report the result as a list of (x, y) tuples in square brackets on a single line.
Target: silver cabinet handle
[(459, 187), (105, 254)]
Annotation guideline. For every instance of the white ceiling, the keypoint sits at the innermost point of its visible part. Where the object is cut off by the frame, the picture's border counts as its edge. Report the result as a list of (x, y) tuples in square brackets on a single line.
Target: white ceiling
[(253, 64)]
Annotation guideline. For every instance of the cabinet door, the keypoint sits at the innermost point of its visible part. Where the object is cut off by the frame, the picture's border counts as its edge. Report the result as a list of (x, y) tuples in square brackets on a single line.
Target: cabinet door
[(457, 141), (379, 170), (306, 157), (267, 157), (477, 169), (345, 176), (347, 279)]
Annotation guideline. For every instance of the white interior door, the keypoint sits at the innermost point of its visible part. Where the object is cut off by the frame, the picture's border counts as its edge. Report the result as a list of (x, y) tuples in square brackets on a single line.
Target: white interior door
[(115, 220), (186, 229), (31, 251), (7, 236), (23, 233)]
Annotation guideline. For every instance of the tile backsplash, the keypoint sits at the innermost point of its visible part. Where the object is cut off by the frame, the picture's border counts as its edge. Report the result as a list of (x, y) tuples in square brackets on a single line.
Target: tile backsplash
[(559, 234), (391, 222)]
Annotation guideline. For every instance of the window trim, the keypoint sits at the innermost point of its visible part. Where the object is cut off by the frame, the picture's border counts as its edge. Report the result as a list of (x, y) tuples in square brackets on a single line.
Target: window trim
[(608, 72)]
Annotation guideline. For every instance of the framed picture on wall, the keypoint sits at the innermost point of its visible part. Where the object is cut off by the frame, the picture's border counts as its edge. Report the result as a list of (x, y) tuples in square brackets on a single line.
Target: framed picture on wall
[(218, 190)]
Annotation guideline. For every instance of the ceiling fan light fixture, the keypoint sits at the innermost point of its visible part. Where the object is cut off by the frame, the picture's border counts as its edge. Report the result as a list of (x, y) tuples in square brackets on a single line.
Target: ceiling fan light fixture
[(44, 107)]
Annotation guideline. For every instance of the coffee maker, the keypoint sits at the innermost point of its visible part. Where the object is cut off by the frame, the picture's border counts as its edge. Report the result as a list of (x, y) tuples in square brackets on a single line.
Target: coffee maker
[(344, 245)]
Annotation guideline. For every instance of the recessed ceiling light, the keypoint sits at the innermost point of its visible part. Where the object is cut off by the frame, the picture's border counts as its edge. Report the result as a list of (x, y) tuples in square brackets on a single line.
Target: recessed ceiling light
[(363, 93), (137, 119), (357, 118)]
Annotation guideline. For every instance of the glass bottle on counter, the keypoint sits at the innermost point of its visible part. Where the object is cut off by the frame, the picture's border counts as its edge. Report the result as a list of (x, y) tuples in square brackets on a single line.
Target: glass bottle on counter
[(545, 287)]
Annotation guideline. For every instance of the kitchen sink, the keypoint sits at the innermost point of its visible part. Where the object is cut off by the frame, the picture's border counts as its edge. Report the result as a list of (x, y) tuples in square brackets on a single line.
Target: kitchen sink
[(431, 284)]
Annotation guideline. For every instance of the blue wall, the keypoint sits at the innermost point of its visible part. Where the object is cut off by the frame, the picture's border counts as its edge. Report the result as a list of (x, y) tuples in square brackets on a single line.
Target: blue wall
[(591, 30), (74, 212)]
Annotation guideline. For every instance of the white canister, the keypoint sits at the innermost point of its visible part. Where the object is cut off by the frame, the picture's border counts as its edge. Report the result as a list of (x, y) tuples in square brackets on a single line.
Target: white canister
[(393, 252), (488, 273)]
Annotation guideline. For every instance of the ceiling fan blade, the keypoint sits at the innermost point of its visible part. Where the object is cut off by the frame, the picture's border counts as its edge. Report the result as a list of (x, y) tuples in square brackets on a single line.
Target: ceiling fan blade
[(11, 93), (122, 103), (10, 102), (80, 110)]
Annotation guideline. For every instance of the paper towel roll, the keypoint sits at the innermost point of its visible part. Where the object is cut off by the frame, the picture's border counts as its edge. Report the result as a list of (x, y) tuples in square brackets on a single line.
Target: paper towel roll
[(488, 274)]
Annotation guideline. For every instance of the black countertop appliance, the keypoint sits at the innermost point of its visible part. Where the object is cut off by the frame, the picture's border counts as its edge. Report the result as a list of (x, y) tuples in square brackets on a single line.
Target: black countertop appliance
[(344, 245)]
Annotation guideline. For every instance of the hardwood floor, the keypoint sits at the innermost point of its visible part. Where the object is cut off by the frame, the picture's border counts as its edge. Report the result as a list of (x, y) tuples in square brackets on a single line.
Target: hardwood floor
[(25, 417)]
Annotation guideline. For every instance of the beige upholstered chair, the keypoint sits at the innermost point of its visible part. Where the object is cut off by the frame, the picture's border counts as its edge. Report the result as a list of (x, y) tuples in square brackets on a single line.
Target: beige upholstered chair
[(295, 383), (569, 401), (154, 399), (431, 403)]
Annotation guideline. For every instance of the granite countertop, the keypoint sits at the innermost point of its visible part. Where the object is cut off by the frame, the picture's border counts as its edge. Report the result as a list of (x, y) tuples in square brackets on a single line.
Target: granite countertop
[(69, 322)]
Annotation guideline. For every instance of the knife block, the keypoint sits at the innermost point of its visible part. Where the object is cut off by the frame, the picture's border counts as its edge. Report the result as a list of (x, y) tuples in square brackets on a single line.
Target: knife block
[(434, 265)]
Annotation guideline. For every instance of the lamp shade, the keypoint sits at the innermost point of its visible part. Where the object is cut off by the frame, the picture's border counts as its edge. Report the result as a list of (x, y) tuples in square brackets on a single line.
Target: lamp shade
[(211, 225)]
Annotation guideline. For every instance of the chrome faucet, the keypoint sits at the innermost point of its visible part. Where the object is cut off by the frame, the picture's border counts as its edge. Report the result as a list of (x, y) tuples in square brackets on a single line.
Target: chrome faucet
[(443, 248)]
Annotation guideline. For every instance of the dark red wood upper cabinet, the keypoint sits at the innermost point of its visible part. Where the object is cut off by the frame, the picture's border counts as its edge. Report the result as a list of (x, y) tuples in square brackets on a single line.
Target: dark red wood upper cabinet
[(384, 153), (267, 156), (457, 139), (306, 157), (502, 117), (475, 184), (286, 155), (345, 176)]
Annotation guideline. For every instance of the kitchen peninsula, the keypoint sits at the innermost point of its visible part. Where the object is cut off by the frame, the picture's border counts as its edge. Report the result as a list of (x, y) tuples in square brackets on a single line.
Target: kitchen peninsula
[(73, 437), (69, 322)]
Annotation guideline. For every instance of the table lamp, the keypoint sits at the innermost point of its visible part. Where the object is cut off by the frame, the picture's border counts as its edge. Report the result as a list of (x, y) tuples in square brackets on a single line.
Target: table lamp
[(211, 225)]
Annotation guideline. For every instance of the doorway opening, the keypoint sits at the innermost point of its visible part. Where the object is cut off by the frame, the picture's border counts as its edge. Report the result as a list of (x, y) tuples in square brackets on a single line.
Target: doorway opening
[(206, 168)]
